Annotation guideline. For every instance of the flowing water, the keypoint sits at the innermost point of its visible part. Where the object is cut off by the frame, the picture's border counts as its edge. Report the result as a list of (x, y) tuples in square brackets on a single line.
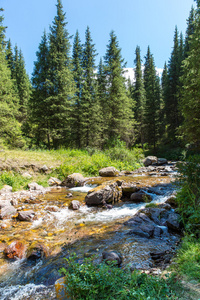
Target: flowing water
[(88, 231)]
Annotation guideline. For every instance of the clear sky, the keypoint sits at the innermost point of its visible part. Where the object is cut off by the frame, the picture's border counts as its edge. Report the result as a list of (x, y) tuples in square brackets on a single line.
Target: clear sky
[(135, 22)]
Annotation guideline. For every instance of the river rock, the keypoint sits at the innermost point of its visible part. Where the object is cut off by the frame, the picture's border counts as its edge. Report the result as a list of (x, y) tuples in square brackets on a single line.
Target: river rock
[(33, 186), (172, 201), (173, 222), (74, 204), (108, 172), (54, 181), (74, 180), (44, 168), (37, 251), (109, 192), (129, 188), (6, 189), (4, 203), (140, 196), (60, 287), (7, 212), (15, 250), (52, 208), (162, 161), (149, 160), (26, 215), (27, 175), (112, 257)]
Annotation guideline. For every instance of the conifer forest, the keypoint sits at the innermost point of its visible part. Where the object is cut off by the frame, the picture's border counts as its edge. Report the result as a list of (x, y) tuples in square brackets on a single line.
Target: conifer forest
[(71, 102)]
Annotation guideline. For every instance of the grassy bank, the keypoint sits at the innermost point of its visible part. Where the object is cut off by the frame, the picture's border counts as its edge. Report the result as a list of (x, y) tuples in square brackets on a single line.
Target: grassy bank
[(63, 162)]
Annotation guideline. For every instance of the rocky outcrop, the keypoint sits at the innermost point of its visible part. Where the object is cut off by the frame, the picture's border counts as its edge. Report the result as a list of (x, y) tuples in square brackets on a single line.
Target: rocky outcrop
[(109, 192), (108, 172), (74, 180), (15, 250), (154, 222)]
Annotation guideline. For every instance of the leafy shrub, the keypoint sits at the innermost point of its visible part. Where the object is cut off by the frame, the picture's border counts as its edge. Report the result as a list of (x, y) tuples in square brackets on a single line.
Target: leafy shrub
[(100, 281), (188, 197)]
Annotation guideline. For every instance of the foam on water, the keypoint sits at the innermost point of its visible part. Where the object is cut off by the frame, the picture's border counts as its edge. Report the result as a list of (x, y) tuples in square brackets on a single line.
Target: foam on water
[(17, 292), (83, 189)]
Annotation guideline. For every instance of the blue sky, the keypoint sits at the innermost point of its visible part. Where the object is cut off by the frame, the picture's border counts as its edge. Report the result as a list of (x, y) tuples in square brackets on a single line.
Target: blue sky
[(135, 22)]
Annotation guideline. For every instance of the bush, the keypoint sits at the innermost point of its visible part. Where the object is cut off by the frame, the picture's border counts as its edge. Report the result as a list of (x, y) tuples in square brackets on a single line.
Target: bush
[(188, 197), (100, 281)]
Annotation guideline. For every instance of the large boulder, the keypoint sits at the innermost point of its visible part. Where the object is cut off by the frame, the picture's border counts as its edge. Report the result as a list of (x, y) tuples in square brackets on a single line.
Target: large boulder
[(150, 160), (7, 212), (15, 250), (173, 222), (109, 172), (109, 192), (74, 180)]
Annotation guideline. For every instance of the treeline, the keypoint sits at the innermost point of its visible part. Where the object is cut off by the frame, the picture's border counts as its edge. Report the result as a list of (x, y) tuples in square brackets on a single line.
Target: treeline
[(71, 102)]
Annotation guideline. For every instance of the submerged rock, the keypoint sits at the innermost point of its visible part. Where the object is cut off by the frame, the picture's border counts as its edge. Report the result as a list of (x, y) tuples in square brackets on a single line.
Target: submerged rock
[(109, 192), (140, 196), (74, 180), (37, 251), (109, 172), (112, 257), (15, 250)]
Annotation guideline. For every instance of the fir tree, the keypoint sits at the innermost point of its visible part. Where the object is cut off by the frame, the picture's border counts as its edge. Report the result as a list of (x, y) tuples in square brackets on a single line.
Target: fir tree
[(152, 107), (174, 71), (10, 58), (119, 118), (10, 132), (190, 104), (60, 81), (139, 97), (77, 57), (39, 109), (90, 116), (189, 30)]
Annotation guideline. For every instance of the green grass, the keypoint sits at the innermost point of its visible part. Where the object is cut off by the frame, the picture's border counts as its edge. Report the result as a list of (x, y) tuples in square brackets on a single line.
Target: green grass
[(188, 259)]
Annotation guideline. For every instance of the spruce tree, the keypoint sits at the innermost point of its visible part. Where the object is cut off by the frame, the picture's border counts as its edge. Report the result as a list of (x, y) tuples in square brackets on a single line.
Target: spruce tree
[(10, 57), (190, 104), (10, 132), (39, 109), (60, 81), (174, 71), (90, 115), (139, 97), (77, 57), (119, 118), (189, 31), (152, 107)]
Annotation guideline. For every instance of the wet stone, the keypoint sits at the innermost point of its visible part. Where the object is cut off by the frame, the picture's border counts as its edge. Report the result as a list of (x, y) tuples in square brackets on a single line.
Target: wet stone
[(26, 215)]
